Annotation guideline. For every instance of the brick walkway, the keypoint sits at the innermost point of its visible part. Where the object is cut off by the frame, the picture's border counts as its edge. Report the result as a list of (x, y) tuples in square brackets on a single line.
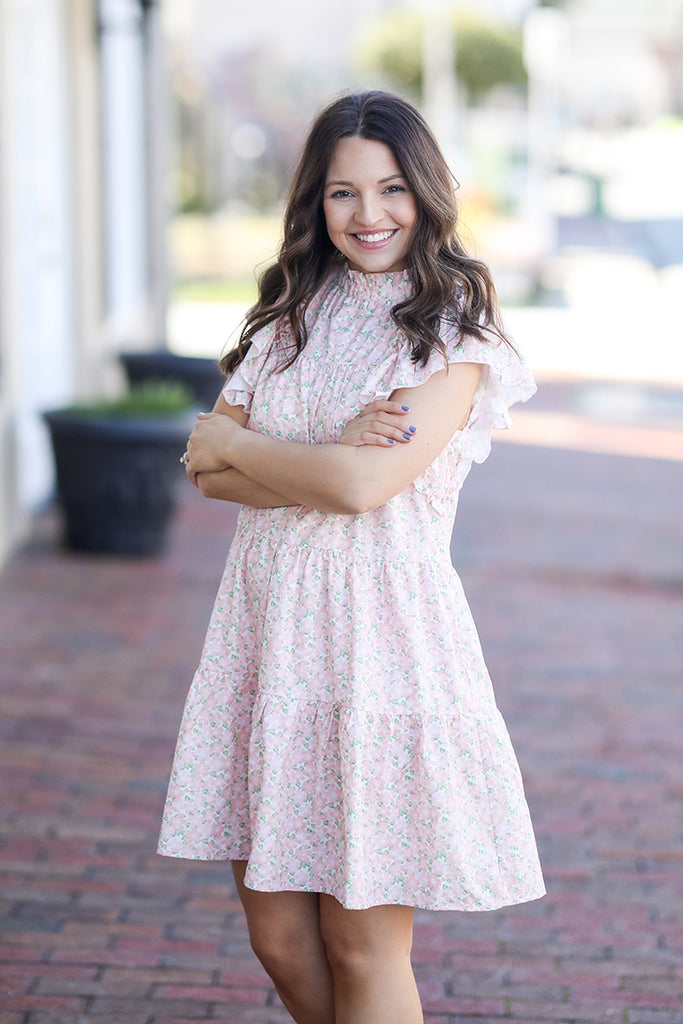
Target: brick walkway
[(573, 566)]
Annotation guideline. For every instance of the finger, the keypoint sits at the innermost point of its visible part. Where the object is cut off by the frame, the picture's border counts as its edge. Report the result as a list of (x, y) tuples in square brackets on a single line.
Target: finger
[(386, 428), (387, 405), (389, 419), (381, 440), (363, 437)]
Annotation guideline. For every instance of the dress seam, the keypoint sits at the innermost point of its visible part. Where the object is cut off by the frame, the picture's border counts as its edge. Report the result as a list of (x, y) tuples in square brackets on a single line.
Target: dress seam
[(351, 550), (336, 707)]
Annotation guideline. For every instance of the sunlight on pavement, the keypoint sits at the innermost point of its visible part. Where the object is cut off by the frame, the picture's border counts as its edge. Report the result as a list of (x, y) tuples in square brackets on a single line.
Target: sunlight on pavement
[(563, 430), (203, 328), (621, 322)]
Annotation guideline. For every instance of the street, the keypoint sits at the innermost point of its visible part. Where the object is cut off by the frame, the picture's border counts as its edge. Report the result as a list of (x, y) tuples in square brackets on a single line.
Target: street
[(573, 566)]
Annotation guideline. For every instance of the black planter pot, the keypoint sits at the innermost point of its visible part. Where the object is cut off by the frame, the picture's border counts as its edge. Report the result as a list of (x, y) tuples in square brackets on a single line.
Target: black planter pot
[(201, 376), (117, 479)]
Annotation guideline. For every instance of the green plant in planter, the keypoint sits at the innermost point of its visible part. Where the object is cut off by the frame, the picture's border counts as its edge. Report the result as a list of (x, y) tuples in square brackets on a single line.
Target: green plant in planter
[(149, 400), (199, 375), (117, 468)]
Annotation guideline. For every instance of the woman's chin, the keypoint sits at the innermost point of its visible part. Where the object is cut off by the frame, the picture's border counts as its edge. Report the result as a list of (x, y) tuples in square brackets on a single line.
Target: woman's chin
[(376, 263)]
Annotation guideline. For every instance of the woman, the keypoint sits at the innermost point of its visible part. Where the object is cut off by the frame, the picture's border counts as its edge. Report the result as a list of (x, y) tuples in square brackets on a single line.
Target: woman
[(341, 744)]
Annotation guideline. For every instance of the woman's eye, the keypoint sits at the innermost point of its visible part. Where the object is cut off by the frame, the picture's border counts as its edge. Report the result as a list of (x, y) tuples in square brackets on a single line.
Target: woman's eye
[(341, 193), (395, 188)]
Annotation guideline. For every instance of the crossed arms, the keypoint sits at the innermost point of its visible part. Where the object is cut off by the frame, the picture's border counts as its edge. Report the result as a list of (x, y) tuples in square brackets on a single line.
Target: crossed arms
[(362, 472)]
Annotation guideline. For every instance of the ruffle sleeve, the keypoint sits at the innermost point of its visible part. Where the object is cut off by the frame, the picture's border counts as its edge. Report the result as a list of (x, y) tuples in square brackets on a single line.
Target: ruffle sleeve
[(240, 387), (505, 380)]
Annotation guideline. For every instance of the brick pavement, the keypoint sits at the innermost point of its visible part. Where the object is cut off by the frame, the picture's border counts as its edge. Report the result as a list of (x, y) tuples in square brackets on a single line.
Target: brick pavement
[(572, 563)]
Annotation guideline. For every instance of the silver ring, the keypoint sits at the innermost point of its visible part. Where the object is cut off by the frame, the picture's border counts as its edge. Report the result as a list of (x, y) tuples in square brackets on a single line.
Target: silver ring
[(184, 458)]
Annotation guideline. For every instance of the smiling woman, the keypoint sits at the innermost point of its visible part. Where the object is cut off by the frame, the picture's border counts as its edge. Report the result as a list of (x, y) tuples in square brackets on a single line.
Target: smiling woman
[(341, 744), (370, 210)]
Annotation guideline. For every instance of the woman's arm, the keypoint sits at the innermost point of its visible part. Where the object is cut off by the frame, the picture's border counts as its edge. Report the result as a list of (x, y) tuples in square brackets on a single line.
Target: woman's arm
[(230, 484), (374, 425), (343, 478)]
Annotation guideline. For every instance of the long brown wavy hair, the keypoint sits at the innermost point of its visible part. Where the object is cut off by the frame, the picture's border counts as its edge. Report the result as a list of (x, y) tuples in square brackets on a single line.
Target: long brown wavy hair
[(447, 283)]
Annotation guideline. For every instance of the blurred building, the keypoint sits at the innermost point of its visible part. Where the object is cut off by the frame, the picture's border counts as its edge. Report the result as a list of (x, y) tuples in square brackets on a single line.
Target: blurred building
[(627, 60), (81, 267)]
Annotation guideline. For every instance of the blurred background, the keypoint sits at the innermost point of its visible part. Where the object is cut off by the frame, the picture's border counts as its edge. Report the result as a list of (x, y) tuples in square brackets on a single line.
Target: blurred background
[(145, 150)]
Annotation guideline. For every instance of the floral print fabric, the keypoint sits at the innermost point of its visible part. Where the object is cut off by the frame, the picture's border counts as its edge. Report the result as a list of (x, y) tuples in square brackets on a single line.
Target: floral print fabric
[(341, 732)]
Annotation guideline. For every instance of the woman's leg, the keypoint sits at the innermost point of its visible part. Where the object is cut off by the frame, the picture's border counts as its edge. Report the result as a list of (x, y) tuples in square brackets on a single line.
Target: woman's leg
[(369, 953), (284, 929)]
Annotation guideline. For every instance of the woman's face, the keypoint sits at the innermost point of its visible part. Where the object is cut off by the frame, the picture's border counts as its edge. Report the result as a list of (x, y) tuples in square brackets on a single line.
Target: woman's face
[(370, 211)]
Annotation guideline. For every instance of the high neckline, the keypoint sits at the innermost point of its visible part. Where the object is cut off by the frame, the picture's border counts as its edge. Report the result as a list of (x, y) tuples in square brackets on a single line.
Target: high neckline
[(394, 284)]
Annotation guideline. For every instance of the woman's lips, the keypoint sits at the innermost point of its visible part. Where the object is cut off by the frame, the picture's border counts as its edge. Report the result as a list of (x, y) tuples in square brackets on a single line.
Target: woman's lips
[(374, 239)]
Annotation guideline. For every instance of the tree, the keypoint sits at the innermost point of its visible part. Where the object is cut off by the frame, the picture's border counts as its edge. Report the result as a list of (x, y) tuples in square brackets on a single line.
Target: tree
[(488, 53)]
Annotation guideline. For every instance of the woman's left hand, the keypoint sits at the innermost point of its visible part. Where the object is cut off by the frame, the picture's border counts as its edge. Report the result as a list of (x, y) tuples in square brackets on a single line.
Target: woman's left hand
[(382, 422), (208, 446)]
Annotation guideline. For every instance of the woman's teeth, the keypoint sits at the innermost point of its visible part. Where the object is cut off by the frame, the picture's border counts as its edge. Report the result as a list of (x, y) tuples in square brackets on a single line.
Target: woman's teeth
[(379, 237)]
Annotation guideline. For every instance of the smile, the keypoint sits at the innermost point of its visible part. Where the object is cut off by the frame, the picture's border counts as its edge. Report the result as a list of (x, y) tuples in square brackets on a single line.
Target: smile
[(375, 237)]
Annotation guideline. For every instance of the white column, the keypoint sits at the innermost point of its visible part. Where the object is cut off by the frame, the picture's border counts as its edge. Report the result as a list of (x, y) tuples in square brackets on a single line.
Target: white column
[(125, 165), (92, 362), (37, 273), (158, 78)]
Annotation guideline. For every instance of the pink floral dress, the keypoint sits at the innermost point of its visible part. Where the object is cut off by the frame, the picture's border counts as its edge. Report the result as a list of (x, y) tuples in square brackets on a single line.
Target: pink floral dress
[(341, 732)]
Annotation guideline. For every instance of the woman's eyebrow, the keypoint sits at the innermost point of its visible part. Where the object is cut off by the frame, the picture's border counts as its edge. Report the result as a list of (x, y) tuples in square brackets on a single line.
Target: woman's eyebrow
[(380, 182)]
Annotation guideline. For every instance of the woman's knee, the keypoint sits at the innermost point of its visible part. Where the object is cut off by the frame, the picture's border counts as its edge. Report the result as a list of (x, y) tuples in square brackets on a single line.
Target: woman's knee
[(275, 946), (283, 927), (357, 941), (345, 954)]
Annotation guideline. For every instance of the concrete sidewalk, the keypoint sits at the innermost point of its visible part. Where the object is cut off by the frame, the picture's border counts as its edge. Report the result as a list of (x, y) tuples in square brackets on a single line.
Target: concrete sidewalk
[(573, 566)]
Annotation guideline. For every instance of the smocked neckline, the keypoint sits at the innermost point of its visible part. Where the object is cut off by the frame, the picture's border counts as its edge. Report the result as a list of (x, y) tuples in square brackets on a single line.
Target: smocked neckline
[(394, 284)]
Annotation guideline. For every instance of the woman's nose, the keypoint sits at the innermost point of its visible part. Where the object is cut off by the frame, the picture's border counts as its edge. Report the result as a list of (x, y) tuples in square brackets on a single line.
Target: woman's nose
[(369, 211)]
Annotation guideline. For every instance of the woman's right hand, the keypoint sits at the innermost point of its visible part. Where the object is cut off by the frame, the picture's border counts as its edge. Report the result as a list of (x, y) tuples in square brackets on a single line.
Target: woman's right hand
[(382, 422)]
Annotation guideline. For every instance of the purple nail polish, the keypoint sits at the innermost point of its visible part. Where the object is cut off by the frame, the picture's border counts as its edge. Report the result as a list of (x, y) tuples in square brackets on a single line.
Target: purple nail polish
[(405, 408), (412, 429), (390, 440), (407, 437)]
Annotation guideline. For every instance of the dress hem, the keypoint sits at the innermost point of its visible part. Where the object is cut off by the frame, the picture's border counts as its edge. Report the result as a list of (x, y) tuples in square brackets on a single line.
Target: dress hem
[(417, 902)]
